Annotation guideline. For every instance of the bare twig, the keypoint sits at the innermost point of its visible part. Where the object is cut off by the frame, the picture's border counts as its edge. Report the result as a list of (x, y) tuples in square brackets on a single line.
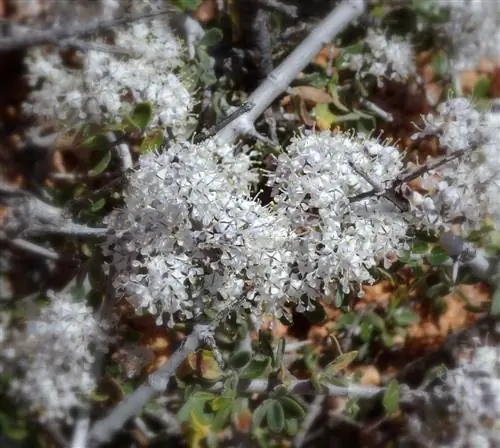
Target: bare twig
[(379, 112), (32, 248), (104, 429), (55, 35), (311, 416), (79, 439), (288, 10), (83, 45), (285, 73), (480, 264), (306, 388), (122, 150), (207, 133)]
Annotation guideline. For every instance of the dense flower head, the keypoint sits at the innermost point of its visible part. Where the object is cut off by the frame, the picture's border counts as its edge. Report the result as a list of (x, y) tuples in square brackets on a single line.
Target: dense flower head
[(190, 235), (55, 355), (387, 57), (463, 409), (467, 187), (110, 82), (473, 31), (339, 240)]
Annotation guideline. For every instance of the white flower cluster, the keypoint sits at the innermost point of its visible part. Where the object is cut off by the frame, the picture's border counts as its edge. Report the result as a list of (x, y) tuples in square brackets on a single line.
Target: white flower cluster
[(388, 57), (110, 83), (467, 187), (339, 240), (473, 31), (190, 235), (54, 357), (464, 409)]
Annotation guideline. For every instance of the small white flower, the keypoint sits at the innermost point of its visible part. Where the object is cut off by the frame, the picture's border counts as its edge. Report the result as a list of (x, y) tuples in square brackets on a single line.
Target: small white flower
[(388, 57), (55, 356)]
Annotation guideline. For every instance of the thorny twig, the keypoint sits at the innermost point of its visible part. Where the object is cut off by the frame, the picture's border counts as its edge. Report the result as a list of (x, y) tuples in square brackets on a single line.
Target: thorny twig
[(207, 133), (285, 73)]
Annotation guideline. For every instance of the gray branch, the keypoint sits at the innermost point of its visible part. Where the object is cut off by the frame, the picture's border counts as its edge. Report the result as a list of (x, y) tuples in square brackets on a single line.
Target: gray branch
[(104, 429), (281, 77)]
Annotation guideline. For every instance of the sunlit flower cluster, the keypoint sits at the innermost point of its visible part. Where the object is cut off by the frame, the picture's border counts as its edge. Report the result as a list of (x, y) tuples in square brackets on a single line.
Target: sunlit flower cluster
[(190, 234), (467, 187), (51, 360), (139, 68), (339, 240), (473, 31), (387, 57)]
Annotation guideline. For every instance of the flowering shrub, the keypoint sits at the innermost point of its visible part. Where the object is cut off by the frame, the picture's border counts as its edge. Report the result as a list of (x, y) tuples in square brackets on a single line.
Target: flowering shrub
[(459, 185), (219, 236), (54, 357), (472, 30), (110, 83), (190, 233)]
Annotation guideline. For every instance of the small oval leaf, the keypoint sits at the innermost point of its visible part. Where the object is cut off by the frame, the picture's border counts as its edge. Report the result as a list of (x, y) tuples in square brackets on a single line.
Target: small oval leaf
[(390, 400), (342, 361), (275, 416)]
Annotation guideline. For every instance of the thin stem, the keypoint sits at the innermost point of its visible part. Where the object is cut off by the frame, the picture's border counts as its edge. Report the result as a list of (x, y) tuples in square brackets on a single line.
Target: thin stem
[(55, 35), (104, 429)]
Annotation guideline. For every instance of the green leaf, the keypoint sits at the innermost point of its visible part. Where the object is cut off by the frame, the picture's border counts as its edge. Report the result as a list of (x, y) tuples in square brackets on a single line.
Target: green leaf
[(404, 317), (481, 88), (438, 256), (390, 401), (102, 164), (375, 320), (187, 5), (275, 416), (342, 361), (97, 205), (278, 353), (495, 302), (332, 90), (366, 331), (256, 368), (141, 115), (420, 247), (440, 64), (386, 339), (96, 141), (212, 37), (222, 416), (291, 426), (240, 359), (437, 290), (196, 402), (259, 413), (13, 426), (339, 298), (291, 407), (325, 118), (151, 142)]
